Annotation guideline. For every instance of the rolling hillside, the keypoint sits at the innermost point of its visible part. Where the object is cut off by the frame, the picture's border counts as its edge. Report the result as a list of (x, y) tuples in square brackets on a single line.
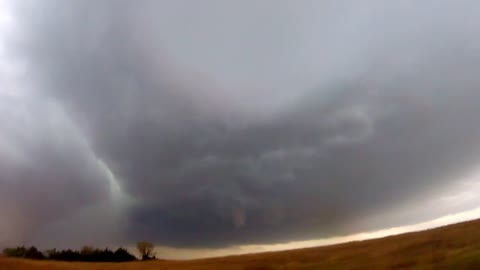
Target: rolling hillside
[(455, 247)]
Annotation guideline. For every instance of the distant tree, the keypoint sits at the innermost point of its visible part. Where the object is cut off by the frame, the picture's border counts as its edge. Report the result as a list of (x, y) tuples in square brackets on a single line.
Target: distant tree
[(146, 250), (23, 252), (86, 254), (122, 255), (34, 253), (51, 253), (18, 252), (87, 250)]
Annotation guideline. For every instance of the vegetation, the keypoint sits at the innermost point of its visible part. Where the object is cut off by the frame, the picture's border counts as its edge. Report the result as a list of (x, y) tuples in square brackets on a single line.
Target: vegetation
[(87, 254), (455, 247), (146, 250), (23, 252)]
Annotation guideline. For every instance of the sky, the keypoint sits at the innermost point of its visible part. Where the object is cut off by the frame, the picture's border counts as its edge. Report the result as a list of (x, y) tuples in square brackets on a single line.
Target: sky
[(235, 126)]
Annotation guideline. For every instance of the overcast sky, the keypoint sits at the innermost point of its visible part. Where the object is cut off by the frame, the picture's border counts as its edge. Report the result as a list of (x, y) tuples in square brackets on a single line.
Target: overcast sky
[(208, 124)]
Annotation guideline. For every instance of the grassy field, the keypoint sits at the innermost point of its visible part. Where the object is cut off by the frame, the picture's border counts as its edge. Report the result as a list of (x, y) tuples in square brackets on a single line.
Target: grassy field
[(455, 247)]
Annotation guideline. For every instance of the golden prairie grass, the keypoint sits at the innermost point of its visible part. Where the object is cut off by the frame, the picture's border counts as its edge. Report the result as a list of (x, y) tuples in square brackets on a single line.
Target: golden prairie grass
[(455, 247)]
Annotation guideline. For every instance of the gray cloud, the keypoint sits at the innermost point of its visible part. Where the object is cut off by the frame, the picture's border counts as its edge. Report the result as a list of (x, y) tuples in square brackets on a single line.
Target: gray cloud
[(222, 127), (48, 170)]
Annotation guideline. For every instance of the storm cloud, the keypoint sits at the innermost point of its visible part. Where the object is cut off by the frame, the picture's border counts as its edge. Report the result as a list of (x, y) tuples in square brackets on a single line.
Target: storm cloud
[(213, 123)]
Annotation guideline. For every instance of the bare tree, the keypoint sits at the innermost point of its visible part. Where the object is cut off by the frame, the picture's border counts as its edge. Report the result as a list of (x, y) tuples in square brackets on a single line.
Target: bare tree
[(146, 250)]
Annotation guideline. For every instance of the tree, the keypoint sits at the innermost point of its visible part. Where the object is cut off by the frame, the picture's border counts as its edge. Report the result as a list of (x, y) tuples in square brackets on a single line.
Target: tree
[(86, 254), (23, 252), (122, 255), (34, 253), (18, 252), (146, 250), (87, 250)]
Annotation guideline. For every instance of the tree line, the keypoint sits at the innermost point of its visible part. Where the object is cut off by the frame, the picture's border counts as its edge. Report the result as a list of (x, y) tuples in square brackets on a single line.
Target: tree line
[(86, 254)]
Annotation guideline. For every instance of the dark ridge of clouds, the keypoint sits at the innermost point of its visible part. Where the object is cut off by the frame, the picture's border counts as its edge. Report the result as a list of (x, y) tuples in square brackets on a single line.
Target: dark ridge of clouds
[(202, 159)]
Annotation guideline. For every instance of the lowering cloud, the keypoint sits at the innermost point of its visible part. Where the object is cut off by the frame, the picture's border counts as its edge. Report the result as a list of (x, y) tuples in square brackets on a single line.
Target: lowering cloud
[(211, 123)]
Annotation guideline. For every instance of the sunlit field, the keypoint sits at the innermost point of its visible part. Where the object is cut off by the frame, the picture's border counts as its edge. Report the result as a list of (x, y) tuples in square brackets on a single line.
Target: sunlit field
[(453, 247)]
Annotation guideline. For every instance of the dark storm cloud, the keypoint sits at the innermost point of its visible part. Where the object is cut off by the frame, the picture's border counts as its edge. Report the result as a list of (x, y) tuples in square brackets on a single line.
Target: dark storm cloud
[(384, 110)]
